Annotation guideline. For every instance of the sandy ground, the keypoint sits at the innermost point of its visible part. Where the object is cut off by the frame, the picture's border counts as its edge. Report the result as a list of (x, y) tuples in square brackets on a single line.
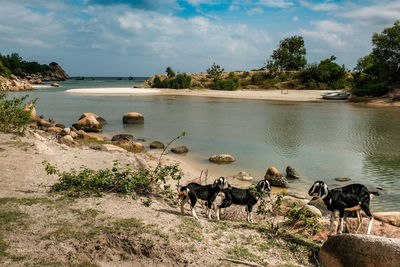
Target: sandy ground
[(282, 95), (46, 229)]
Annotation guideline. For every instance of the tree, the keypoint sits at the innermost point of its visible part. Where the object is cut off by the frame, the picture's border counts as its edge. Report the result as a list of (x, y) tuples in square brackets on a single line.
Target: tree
[(290, 55), (215, 71), (170, 72)]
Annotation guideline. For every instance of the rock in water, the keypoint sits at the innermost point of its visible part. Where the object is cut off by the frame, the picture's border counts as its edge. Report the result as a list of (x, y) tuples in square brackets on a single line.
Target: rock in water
[(275, 178), (222, 158), (133, 118), (291, 173), (360, 251), (180, 149), (342, 179), (88, 124), (122, 137), (98, 118), (156, 145)]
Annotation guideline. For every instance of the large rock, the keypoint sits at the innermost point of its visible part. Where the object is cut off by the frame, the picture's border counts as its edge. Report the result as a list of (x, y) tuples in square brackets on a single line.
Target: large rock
[(88, 124), (55, 85), (44, 123), (54, 129), (67, 139), (131, 145), (291, 173), (313, 210), (275, 178), (133, 118), (122, 137), (222, 158), (33, 111), (157, 145), (180, 149), (392, 217), (91, 114), (360, 251), (243, 176)]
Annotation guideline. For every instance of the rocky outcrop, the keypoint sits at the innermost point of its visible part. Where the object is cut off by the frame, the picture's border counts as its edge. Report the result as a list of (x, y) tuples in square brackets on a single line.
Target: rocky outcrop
[(291, 173), (360, 251), (222, 158), (56, 73), (392, 217), (133, 118), (14, 84), (275, 178), (180, 149)]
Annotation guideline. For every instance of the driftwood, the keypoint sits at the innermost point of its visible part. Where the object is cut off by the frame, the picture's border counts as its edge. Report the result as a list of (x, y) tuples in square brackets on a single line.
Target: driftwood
[(241, 262)]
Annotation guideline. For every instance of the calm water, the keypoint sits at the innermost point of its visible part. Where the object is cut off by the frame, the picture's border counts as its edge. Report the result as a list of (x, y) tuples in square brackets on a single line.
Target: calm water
[(321, 140)]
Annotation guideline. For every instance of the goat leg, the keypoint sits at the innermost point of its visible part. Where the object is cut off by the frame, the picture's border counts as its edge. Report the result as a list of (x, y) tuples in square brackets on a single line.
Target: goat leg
[(359, 220), (371, 219)]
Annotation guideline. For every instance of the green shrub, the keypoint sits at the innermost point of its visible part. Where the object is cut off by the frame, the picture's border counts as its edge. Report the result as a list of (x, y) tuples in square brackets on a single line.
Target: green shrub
[(118, 180), (179, 81), (13, 117), (4, 71), (372, 89), (215, 71), (310, 221), (231, 83)]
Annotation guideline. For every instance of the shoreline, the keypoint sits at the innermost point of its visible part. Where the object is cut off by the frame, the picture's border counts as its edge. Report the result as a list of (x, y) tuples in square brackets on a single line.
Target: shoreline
[(313, 96)]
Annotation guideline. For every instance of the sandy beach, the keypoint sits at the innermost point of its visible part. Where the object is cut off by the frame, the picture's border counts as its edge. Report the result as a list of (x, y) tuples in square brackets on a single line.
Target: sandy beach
[(285, 95)]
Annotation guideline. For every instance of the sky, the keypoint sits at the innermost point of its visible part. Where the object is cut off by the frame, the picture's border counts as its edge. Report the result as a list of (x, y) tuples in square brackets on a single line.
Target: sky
[(143, 37)]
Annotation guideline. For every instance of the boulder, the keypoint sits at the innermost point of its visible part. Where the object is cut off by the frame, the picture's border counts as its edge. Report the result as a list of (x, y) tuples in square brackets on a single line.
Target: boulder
[(54, 129), (55, 85), (131, 146), (275, 178), (110, 147), (157, 145), (180, 149), (342, 179), (319, 204), (66, 131), (44, 123), (60, 125), (392, 217), (243, 176), (67, 139), (73, 134), (291, 173), (133, 118), (96, 136), (360, 251), (122, 137), (88, 124), (33, 111), (82, 134), (222, 158), (313, 210), (98, 118)]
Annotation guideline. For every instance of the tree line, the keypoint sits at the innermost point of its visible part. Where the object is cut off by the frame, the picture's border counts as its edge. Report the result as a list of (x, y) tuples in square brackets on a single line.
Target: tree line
[(14, 64)]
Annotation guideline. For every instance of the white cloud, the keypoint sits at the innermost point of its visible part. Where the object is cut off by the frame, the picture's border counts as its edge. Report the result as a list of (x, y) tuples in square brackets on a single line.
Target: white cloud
[(295, 18), (254, 11), (326, 6), (276, 3)]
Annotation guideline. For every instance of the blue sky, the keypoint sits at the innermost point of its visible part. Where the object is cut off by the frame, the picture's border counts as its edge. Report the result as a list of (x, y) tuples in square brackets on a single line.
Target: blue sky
[(143, 37)]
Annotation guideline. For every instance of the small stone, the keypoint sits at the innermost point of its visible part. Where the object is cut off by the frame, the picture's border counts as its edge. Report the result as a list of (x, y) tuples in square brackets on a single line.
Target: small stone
[(342, 179), (122, 137), (156, 145), (222, 158), (180, 149)]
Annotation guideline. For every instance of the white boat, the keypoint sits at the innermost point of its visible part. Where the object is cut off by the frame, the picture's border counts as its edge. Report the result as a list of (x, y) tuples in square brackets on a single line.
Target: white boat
[(336, 96)]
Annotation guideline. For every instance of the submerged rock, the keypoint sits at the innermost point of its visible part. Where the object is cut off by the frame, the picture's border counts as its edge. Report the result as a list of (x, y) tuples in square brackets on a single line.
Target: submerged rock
[(222, 158), (342, 179), (133, 118), (88, 124), (180, 149), (122, 137), (98, 118), (157, 145)]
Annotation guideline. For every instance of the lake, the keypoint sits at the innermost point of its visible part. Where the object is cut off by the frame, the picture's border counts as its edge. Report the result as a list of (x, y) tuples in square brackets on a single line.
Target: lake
[(320, 140)]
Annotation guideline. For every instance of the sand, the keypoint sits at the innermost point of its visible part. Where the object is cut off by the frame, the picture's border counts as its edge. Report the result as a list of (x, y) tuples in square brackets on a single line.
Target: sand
[(280, 95)]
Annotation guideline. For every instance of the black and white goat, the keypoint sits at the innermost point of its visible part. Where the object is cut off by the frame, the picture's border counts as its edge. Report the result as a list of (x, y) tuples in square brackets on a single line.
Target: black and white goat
[(243, 197), (194, 191), (354, 197)]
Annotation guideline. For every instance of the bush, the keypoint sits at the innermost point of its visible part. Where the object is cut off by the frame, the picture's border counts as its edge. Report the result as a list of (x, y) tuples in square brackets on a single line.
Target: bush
[(309, 220), (118, 180), (231, 83), (4, 71), (215, 71), (327, 75), (371, 89), (17, 65), (13, 117), (179, 81)]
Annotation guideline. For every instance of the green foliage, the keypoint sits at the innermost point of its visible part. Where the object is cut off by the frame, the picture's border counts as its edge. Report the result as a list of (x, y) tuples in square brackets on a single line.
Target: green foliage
[(13, 117), (309, 219), (231, 83), (215, 71), (264, 79), (179, 81), (326, 75), (170, 72), (16, 65), (376, 72), (4, 71), (290, 55), (119, 180)]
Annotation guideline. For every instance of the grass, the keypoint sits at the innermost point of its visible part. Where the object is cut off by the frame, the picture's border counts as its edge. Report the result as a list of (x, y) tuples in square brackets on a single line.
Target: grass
[(3, 247), (241, 253), (191, 228), (85, 214), (25, 201)]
